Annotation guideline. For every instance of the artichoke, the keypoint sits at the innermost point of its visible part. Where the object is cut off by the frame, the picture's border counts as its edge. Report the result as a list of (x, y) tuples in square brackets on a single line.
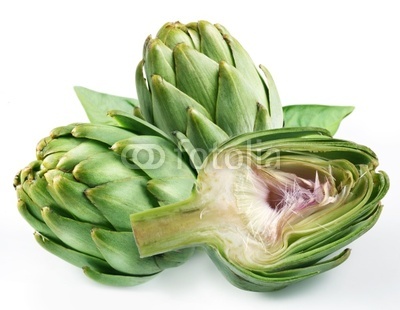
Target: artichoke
[(87, 180), (197, 79), (289, 198)]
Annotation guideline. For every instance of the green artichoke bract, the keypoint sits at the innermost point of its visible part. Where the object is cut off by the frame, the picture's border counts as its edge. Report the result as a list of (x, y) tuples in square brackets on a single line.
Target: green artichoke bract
[(287, 198), (87, 180), (197, 79)]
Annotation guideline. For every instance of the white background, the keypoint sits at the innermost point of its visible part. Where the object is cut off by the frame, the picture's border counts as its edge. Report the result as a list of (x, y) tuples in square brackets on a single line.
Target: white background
[(331, 52)]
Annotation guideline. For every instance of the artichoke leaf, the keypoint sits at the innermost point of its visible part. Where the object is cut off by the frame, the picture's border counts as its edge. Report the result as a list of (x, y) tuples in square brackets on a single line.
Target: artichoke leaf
[(118, 199), (172, 34), (170, 105), (158, 58), (73, 257), (315, 115), (236, 106), (212, 43), (143, 92), (83, 151), (203, 133), (196, 76), (262, 118), (102, 133), (157, 157), (116, 279), (136, 124), (103, 168), (245, 65), (120, 251), (97, 104), (274, 102), (37, 224), (73, 233), (69, 194)]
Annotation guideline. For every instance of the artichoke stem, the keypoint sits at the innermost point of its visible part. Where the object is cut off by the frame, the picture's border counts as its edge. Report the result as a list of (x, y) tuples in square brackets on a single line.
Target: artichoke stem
[(170, 227)]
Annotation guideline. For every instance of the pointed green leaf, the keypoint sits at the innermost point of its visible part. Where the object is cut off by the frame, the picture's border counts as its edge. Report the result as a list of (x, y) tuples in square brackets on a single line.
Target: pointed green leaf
[(170, 105), (236, 105), (194, 35), (27, 173), (103, 168), (196, 76), (38, 192), (102, 133), (159, 60), (115, 279), (32, 220), (70, 195), (73, 233), (120, 251), (172, 34), (245, 65), (62, 131), (98, 104), (157, 157), (51, 161), (315, 115), (274, 101), (51, 146), (136, 125), (82, 152), (29, 204), (143, 93), (73, 257), (213, 44), (117, 200), (262, 118), (204, 134)]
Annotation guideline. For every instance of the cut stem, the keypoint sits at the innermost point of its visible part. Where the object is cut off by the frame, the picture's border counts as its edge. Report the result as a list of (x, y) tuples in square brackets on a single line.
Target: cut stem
[(170, 227)]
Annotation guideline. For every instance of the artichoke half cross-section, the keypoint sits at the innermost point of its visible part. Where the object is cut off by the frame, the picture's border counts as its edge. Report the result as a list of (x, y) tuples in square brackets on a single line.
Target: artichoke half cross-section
[(271, 207)]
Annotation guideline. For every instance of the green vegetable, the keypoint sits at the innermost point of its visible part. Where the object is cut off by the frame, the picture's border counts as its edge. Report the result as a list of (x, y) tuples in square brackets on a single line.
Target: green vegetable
[(270, 207), (197, 79), (87, 180)]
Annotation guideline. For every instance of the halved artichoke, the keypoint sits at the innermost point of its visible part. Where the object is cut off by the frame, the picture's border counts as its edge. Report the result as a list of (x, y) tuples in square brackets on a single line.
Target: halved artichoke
[(270, 207)]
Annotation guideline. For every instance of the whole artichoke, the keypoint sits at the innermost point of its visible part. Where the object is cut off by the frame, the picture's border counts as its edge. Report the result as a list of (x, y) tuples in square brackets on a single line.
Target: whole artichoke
[(288, 199), (197, 79), (87, 180)]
